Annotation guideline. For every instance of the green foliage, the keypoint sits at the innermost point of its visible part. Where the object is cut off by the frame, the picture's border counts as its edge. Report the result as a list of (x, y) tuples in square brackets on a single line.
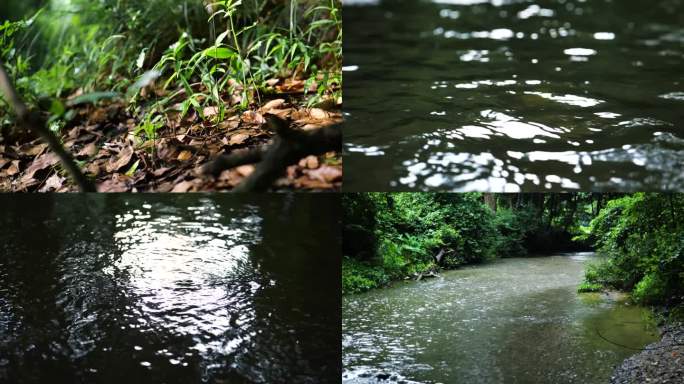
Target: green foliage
[(411, 229), (205, 58), (513, 227), (358, 276), (589, 287), (406, 255), (643, 239), (359, 217), (650, 289)]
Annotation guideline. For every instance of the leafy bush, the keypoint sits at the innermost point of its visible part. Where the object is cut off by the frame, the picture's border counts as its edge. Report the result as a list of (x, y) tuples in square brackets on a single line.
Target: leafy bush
[(410, 230), (651, 288), (644, 241), (513, 228), (359, 277), (203, 56), (589, 287)]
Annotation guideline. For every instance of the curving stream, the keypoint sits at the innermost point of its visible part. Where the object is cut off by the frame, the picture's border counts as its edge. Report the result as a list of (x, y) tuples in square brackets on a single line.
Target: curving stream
[(513, 320), (169, 289), (511, 95)]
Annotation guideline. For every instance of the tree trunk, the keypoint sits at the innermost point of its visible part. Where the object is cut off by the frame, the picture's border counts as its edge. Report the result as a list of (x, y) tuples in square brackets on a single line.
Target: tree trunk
[(490, 200)]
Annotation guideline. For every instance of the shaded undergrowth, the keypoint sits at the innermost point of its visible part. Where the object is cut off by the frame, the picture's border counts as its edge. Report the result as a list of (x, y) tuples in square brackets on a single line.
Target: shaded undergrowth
[(173, 83)]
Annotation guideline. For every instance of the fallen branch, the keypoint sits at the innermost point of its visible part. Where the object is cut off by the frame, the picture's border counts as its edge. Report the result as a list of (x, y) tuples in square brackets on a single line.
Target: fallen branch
[(34, 122), (438, 258), (430, 273), (288, 147)]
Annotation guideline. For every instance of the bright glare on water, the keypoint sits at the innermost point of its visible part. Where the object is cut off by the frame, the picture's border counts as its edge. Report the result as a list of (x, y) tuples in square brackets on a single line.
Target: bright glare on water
[(169, 289), (511, 95)]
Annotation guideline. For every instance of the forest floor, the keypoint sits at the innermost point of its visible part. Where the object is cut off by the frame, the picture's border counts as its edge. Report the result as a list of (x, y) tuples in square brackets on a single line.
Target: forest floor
[(660, 362), (110, 145)]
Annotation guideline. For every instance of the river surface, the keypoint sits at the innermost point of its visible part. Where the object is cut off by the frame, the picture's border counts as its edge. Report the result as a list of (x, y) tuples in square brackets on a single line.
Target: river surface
[(510, 95), (169, 289), (511, 321)]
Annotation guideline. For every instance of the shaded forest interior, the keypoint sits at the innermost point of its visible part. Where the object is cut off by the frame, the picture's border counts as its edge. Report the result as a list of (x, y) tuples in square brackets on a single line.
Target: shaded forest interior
[(169, 95), (398, 236)]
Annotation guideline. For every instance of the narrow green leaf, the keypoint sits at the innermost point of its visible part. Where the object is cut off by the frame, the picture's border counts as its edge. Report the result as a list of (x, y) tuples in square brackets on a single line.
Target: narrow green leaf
[(134, 167), (219, 52)]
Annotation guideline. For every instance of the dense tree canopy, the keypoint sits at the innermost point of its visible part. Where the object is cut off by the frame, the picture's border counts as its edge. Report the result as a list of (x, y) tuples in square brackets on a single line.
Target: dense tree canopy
[(642, 237), (392, 236), (398, 235)]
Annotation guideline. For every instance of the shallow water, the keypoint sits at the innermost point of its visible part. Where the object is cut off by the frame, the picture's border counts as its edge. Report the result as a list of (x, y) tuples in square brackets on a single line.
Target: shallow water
[(514, 321), (509, 95), (169, 289)]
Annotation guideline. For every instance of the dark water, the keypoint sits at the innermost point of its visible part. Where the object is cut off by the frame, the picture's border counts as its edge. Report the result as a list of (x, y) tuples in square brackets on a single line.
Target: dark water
[(169, 289), (512, 321), (509, 95)]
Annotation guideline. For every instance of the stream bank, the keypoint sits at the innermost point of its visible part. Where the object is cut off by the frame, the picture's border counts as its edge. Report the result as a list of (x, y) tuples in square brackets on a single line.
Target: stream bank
[(659, 362)]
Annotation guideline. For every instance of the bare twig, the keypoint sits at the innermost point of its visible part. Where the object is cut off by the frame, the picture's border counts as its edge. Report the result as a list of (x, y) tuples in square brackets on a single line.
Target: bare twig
[(33, 121), (288, 147), (234, 159)]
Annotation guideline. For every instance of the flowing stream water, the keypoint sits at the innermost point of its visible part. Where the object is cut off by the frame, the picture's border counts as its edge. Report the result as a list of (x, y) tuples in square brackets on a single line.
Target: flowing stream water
[(169, 289), (515, 320), (510, 95)]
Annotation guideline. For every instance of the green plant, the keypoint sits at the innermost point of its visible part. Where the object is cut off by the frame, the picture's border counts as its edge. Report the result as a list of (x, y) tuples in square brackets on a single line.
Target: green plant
[(359, 276), (651, 288), (643, 241), (589, 287), (105, 45)]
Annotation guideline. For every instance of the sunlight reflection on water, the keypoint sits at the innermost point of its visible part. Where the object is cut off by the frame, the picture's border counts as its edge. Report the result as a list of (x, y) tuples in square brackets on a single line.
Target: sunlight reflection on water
[(583, 91)]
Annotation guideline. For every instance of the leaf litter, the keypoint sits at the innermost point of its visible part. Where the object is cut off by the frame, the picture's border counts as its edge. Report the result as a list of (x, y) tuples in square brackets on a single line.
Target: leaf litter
[(106, 142)]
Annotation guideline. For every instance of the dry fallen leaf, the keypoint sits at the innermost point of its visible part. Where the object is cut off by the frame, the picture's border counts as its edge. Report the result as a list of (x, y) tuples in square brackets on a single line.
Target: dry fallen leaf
[(41, 162), (229, 124), (184, 156), (160, 172), (122, 160), (310, 162), (36, 149), (252, 117), (88, 151), (182, 187), (238, 139), (292, 86), (210, 112), (13, 169), (118, 183), (317, 113), (273, 104), (93, 169), (53, 183), (326, 173), (305, 182), (245, 170)]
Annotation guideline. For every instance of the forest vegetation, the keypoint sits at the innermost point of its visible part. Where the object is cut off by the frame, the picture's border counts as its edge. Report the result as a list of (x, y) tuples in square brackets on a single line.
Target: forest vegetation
[(166, 95), (642, 237), (397, 236)]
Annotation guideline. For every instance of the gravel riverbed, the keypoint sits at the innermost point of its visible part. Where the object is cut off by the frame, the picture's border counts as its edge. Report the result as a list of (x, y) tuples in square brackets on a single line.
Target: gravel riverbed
[(659, 362)]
